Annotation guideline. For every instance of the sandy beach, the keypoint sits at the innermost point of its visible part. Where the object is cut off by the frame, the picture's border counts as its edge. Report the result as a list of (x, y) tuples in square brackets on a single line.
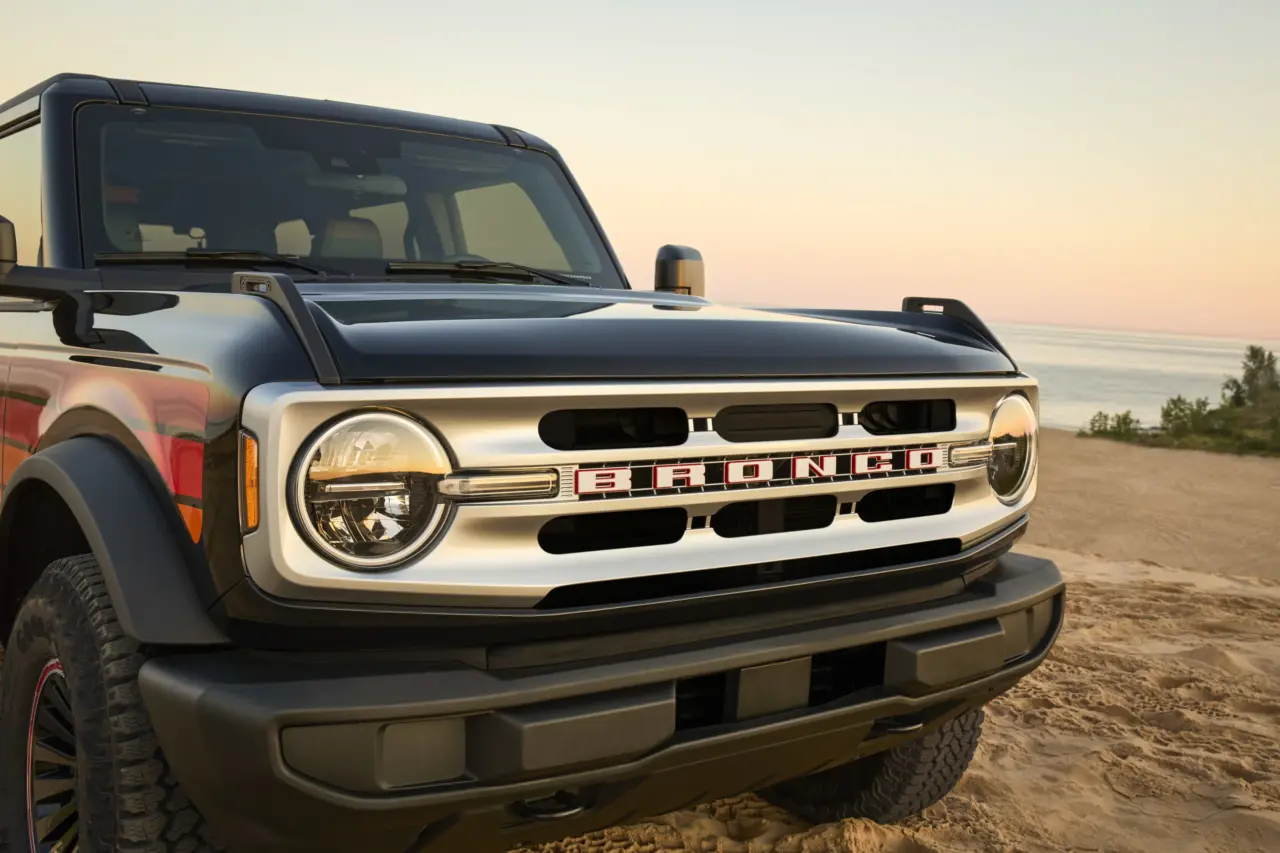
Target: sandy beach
[(1155, 725)]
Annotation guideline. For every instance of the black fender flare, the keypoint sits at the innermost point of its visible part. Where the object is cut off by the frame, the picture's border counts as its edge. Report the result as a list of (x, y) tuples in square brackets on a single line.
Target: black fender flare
[(145, 570)]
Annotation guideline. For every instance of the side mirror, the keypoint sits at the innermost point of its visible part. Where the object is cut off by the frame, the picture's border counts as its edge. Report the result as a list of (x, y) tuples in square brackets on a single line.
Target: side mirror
[(679, 270), (8, 242)]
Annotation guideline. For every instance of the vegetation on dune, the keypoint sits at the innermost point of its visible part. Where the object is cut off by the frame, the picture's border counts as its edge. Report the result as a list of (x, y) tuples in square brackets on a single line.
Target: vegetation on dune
[(1247, 419)]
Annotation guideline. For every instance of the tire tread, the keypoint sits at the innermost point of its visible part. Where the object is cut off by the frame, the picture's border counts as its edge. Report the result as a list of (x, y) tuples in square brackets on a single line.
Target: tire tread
[(891, 786), (146, 807)]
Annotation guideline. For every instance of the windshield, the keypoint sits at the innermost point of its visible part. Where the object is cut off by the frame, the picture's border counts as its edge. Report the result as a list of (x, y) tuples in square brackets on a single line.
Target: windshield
[(339, 196)]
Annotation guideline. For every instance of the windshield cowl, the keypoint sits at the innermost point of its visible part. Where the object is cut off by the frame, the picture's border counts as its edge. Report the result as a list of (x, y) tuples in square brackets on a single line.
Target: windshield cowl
[(397, 272)]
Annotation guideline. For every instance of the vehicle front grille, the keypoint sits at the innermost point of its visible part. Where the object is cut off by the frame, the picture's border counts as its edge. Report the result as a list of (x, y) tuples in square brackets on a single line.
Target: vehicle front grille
[(663, 486)]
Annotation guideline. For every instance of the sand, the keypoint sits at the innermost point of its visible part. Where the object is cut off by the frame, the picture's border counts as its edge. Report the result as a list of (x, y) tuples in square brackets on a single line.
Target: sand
[(1211, 512), (1154, 725)]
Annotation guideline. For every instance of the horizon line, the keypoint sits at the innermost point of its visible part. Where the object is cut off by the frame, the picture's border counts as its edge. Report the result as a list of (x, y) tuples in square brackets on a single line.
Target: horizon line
[(1234, 338)]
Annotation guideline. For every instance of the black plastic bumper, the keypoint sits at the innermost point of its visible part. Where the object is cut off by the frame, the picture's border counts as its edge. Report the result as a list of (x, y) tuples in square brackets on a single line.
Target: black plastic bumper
[(286, 755)]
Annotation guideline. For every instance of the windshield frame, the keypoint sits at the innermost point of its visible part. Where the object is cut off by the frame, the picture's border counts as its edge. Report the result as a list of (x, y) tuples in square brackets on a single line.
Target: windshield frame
[(91, 117)]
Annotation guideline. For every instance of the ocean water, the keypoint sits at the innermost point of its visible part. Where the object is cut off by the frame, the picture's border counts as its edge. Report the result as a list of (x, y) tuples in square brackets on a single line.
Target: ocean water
[(1083, 371)]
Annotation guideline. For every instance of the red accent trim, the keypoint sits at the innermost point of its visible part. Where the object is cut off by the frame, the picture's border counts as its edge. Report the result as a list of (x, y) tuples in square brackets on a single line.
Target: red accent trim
[(687, 471), (153, 407), (186, 465), (50, 668), (773, 470), (22, 421), (917, 452), (616, 472), (796, 460), (883, 460)]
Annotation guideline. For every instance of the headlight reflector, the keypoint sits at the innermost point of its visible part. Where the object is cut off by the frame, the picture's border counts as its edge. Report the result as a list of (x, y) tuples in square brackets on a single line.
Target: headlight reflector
[(1014, 434), (365, 492)]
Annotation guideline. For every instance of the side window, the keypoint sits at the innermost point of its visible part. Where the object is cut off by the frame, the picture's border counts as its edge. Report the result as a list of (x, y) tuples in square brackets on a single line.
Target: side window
[(20, 190), (501, 223)]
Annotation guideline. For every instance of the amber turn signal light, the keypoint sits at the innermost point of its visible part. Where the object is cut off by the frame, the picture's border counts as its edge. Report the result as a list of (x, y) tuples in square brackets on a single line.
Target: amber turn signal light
[(248, 482)]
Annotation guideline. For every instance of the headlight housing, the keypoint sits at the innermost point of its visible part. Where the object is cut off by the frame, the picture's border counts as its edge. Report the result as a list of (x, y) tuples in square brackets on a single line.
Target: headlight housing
[(1014, 445), (365, 489)]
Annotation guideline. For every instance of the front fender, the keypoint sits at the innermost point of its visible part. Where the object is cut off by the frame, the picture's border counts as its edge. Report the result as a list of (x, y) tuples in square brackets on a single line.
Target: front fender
[(145, 570)]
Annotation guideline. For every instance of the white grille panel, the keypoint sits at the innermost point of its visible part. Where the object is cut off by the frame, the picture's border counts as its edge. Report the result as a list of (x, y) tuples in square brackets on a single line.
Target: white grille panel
[(490, 556)]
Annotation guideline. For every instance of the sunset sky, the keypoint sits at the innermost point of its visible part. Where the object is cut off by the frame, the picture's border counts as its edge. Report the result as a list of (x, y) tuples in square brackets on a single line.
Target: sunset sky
[(1097, 163)]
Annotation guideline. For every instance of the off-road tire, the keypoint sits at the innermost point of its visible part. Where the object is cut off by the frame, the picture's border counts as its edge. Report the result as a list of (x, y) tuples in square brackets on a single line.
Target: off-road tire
[(889, 786), (128, 800)]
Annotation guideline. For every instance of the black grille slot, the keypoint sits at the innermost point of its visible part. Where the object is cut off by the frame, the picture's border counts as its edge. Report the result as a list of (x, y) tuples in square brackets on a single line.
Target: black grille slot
[(906, 502), (701, 701), (903, 417), (846, 671), (781, 422), (625, 590), (782, 515), (603, 531), (605, 429)]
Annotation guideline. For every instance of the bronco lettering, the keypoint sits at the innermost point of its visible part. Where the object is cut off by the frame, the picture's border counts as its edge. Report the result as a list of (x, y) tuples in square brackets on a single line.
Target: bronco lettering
[(770, 471)]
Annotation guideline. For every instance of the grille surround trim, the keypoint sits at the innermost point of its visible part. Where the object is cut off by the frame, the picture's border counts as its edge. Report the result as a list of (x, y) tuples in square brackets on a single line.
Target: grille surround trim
[(489, 556)]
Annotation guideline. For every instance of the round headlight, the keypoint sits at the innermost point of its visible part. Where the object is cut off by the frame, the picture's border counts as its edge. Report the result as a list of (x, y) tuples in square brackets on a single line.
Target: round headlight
[(1013, 450), (365, 489)]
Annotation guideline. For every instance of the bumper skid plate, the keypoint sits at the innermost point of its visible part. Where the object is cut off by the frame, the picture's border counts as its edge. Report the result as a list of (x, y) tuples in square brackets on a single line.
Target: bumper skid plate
[(285, 756)]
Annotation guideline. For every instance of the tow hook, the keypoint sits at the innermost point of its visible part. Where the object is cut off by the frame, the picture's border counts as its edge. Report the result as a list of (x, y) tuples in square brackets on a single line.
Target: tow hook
[(557, 806), (897, 725)]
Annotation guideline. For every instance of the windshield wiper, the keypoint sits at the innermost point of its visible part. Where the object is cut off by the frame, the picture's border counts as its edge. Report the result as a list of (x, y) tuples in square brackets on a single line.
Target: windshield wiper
[(487, 269), (214, 256)]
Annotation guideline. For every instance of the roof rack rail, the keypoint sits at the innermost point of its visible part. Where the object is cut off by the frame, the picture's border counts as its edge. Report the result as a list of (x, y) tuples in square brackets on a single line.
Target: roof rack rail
[(957, 310)]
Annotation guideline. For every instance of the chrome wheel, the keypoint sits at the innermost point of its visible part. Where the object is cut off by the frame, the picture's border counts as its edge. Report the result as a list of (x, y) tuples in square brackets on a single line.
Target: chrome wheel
[(53, 811)]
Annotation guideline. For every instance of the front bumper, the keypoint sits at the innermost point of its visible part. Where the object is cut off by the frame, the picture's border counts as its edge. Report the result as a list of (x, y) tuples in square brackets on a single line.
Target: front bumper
[(283, 753)]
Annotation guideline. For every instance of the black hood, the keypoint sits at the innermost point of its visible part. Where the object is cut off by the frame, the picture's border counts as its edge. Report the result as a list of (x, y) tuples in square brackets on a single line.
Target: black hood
[(417, 332)]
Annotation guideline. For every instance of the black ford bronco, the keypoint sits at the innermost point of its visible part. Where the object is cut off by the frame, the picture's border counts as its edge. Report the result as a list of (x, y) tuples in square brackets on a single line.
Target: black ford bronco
[(354, 501)]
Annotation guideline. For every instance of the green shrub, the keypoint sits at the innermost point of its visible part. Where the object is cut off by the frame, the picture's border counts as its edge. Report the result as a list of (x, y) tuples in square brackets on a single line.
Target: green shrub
[(1247, 421)]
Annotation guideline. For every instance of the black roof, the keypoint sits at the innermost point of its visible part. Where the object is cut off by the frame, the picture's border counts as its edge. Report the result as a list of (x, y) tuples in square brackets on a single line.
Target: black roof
[(173, 95)]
